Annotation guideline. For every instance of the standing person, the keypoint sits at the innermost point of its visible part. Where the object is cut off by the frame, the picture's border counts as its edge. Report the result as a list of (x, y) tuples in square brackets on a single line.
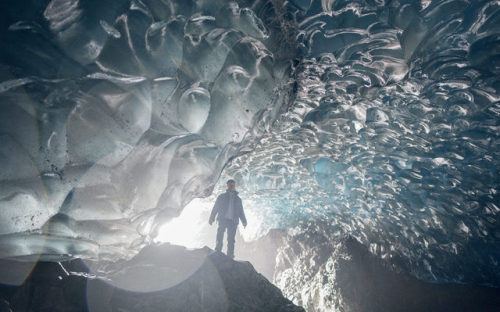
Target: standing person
[(229, 211)]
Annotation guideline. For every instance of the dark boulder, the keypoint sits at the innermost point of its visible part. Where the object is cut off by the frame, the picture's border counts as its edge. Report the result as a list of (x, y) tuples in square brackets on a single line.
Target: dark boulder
[(159, 278)]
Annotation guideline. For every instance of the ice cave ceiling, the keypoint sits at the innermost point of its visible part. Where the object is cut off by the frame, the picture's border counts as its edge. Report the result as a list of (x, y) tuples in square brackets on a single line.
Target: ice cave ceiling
[(374, 118)]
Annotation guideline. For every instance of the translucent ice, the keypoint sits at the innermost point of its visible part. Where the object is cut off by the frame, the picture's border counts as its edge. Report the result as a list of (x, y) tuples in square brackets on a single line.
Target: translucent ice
[(116, 114), (392, 137), (378, 118)]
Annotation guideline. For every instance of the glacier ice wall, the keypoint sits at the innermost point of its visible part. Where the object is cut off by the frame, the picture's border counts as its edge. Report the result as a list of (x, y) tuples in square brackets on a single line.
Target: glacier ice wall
[(116, 113), (393, 137)]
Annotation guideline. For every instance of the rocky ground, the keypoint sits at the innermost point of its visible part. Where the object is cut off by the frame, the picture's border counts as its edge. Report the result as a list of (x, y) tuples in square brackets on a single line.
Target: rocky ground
[(325, 275), (159, 278), (319, 275)]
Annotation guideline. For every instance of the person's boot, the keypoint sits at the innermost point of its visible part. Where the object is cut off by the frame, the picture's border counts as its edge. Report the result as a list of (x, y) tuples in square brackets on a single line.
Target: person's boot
[(230, 251)]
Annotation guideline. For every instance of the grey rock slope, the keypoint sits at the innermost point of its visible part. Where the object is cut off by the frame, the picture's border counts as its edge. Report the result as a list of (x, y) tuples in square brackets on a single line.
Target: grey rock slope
[(343, 275), (159, 278)]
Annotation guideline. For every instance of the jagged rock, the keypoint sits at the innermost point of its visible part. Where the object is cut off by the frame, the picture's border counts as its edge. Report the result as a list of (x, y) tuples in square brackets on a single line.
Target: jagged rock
[(342, 275), (261, 252), (159, 278)]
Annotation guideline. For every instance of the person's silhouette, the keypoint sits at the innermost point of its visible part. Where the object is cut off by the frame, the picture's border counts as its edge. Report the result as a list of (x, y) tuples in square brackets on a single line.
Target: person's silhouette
[(229, 211)]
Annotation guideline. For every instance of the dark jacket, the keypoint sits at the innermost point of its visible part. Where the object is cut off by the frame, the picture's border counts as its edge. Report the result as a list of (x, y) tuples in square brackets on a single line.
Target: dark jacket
[(221, 205)]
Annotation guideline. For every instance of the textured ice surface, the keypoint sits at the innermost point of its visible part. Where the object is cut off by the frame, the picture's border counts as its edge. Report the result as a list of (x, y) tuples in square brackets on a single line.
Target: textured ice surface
[(393, 136), (115, 114)]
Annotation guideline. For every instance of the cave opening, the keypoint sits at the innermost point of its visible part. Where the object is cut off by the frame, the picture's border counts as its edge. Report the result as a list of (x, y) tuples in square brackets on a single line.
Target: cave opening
[(363, 136)]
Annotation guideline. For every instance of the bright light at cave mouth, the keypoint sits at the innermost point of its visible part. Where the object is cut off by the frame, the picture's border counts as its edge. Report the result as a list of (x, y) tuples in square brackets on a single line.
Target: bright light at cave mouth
[(189, 229)]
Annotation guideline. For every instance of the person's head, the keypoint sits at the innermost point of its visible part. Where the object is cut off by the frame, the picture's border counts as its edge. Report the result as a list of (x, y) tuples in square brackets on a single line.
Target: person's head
[(231, 185)]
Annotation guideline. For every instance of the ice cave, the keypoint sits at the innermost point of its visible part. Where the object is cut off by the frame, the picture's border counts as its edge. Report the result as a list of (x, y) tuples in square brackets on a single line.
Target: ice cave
[(363, 135)]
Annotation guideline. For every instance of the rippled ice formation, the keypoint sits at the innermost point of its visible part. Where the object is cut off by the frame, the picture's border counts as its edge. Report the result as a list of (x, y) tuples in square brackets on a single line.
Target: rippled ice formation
[(393, 136), (115, 114)]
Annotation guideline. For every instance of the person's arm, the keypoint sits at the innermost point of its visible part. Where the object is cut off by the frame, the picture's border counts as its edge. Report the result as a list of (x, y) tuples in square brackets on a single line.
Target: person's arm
[(215, 210), (242, 214)]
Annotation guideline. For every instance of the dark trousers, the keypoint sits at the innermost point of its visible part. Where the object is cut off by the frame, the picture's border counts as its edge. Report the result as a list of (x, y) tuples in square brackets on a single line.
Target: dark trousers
[(230, 226)]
